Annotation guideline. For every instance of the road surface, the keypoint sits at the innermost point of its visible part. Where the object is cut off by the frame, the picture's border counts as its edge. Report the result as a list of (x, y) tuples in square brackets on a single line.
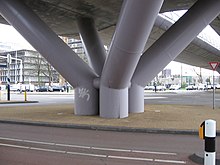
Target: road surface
[(183, 98), (34, 145)]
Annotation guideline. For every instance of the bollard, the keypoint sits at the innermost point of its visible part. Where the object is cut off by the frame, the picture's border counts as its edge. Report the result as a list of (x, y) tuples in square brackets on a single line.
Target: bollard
[(207, 131), (25, 95)]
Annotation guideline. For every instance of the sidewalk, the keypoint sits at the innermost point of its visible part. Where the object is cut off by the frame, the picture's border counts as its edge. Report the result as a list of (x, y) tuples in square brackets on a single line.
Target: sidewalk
[(156, 117)]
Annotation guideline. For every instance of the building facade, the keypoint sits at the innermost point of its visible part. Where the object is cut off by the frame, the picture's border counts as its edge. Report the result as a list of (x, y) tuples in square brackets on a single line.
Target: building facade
[(27, 66)]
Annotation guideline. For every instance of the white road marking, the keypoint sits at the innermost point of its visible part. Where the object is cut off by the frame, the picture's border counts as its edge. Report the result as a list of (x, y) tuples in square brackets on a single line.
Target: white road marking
[(86, 154), (38, 142), (111, 149), (14, 146), (72, 146), (130, 158), (11, 139), (170, 161), (92, 148), (87, 147), (152, 152), (47, 150), (149, 98)]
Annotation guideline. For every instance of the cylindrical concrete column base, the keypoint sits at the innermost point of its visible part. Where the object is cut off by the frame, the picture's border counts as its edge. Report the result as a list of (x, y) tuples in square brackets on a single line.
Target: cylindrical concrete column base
[(86, 101), (113, 102), (136, 99)]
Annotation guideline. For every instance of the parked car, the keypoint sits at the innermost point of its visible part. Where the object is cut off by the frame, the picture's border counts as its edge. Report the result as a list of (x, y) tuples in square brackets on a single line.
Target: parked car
[(160, 88), (217, 86), (191, 87), (149, 88), (15, 87), (42, 89), (202, 87), (57, 88), (27, 87), (175, 87), (2, 87)]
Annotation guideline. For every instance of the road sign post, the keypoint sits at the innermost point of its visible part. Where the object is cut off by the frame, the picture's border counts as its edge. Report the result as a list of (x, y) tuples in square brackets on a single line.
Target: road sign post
[(213, 91), (214, 66)]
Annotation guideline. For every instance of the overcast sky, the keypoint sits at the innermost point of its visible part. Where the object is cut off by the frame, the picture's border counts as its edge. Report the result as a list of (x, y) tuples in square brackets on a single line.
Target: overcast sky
[(9, 35)]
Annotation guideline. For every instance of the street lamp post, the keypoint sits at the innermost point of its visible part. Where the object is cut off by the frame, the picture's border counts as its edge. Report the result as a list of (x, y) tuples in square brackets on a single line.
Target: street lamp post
[(8, 76)]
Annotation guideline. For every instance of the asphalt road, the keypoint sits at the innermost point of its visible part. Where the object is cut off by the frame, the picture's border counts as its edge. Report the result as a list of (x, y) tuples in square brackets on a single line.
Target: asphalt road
[(41, 97), (183, 97), (167, 97), (34, 145)]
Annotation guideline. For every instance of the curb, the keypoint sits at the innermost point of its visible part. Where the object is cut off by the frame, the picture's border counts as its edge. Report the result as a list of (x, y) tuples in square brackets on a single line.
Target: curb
[(104, 128), (17, 102)]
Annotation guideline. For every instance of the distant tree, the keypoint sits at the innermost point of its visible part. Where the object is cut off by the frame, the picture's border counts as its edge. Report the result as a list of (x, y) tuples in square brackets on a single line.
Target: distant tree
[(199, 75), (41, 68), (184, 85)]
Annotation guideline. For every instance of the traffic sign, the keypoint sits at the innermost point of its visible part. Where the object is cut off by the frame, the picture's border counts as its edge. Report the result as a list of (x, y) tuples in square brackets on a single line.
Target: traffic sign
[(214, 65)]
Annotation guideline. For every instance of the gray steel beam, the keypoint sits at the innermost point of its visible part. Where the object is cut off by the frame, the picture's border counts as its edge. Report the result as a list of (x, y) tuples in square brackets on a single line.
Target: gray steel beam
[(66, 62), (173, 41), (93, 44), (131, 34), (132, 31)]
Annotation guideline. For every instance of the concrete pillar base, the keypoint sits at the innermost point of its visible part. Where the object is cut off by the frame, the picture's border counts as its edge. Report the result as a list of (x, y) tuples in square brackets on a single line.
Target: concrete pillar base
[(113, 102), (136, 99), (86, 101)]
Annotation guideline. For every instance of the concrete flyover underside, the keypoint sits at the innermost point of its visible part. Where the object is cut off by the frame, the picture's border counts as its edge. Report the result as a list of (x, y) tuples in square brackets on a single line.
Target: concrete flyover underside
[(112, 85)]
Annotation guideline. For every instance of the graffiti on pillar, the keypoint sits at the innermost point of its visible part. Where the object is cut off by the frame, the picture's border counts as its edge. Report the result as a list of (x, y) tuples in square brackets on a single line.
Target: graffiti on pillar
[(83, 92)]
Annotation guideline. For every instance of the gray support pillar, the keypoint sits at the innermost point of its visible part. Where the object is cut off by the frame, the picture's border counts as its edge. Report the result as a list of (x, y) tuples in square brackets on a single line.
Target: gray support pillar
[(116, 106), (133, 28), (175, 40), (136, 98), (86, 100), (43, 39), (93, 44)]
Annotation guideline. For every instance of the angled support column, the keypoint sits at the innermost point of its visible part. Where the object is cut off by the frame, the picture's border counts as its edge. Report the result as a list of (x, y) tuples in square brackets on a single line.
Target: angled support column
[(174, 41), (132, 31), (93, 44), (57, 53)]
